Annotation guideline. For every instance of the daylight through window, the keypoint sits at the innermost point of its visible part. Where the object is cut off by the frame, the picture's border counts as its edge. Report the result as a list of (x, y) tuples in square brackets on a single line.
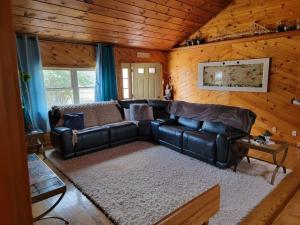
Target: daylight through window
[(69, 86)]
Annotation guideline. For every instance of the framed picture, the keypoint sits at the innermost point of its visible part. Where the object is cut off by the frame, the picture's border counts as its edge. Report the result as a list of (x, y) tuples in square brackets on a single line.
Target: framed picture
[(238, 75)]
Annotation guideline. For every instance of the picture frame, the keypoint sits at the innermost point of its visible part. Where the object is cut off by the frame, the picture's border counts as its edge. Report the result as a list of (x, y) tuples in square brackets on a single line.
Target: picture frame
[(249, 75)]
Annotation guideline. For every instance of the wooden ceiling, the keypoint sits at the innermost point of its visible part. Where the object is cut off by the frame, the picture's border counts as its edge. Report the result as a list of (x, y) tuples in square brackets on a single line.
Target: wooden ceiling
[(154, 24)]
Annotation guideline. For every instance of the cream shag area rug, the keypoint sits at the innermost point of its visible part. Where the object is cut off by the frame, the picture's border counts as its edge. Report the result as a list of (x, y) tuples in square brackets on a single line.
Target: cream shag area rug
[(140, 182)]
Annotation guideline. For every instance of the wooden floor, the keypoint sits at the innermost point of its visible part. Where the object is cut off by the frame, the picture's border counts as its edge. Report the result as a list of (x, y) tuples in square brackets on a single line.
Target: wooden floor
[(282, 205)]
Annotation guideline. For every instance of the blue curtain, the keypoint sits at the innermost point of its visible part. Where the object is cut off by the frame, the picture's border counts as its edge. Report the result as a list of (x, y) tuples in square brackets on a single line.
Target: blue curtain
[(106, 84), (33, 91)]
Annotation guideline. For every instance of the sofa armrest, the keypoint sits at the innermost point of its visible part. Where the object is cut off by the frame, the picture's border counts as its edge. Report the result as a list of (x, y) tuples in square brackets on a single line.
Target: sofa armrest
[(156, 123), (232, 136), (167, 121), (224, 143), (61, 130), (61, 139)]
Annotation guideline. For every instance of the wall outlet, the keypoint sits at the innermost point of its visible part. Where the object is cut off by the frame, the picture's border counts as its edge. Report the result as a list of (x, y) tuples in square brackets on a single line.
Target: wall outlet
[(294, 133)]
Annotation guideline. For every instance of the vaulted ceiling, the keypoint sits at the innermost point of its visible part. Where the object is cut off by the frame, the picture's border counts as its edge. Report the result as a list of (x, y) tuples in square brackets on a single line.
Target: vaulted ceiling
[(154, 24)]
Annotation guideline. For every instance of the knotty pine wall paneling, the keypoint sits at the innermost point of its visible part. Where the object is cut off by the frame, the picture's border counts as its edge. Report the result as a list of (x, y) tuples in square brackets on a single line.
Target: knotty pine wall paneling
[(63, 54), (274, 108), (241, 14)]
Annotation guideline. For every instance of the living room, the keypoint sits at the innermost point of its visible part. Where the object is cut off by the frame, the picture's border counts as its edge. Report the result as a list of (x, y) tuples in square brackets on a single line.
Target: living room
[(150, 112)]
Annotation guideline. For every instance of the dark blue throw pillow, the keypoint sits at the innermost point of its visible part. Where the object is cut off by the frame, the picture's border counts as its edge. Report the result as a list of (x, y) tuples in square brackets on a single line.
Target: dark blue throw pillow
[(74, 121)]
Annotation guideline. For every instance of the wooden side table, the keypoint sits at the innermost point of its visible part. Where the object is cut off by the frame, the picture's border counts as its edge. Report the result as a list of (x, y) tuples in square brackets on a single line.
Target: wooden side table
[(44, 184), (34, 141), (274, 150)]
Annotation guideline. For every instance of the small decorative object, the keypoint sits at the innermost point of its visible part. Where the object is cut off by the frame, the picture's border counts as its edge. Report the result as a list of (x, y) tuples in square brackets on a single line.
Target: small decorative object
[(280, 26), (267, 136), (286, 27), (195, 41), (239, 75), (187, 43), (254, 29), (25, 77), (168, 91), (295, 101)]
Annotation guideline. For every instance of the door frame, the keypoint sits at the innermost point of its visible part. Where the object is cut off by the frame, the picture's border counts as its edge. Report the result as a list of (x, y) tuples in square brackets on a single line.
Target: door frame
[(130, 67), (15, 198)]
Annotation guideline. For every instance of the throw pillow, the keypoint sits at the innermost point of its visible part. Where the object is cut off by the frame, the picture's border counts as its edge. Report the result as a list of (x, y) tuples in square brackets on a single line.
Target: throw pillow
[(74, 121), (141, 112), (126, 114)]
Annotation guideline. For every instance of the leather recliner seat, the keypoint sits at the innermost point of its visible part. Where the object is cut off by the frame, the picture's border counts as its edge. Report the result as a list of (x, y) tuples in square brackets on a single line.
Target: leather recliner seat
[(211, 142), (171, 133)]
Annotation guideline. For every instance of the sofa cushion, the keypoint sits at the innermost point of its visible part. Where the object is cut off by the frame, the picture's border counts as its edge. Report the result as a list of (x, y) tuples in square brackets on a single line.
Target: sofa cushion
[(107, 113), (190, 123), (122, 132), (74, 121), (92, 137), (202, 144), (216, 127), (172, 134)]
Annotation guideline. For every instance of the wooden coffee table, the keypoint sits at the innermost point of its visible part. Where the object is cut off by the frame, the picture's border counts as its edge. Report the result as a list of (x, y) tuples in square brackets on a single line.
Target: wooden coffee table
[(274, 150), (44, 184)]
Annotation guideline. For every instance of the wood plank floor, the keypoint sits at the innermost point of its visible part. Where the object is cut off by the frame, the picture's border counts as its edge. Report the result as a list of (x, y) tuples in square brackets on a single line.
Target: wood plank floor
[(78, 210), (74, 207)]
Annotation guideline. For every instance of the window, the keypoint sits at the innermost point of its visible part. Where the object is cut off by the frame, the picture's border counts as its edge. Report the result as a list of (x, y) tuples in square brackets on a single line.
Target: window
[(69, 86), (125, 77), (152, 70), (141, 71)]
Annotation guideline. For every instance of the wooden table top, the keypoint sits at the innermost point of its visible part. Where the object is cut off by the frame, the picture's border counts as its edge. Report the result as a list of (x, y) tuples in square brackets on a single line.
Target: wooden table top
[(44, 183), (277, 147)]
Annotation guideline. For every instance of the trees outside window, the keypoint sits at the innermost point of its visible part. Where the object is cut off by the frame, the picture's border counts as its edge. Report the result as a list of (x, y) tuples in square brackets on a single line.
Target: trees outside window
[(69, 86)]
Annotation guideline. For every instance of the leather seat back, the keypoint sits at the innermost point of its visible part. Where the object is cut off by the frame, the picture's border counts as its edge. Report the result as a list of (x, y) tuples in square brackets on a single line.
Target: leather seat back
[(190, 123), (217, 127)]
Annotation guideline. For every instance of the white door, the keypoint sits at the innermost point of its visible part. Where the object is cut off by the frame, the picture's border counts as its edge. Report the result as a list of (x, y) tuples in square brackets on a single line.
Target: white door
[(146, 81)]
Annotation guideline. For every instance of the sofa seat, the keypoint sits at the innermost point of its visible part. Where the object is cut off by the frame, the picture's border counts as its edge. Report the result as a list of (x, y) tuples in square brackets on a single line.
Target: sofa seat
[(144, 130), (201, 145), (122, 132), (91, 138), (171, 136)]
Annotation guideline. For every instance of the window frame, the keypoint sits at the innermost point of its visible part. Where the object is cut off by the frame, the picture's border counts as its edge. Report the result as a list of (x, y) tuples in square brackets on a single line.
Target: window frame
[(129, 67), (74, 80)]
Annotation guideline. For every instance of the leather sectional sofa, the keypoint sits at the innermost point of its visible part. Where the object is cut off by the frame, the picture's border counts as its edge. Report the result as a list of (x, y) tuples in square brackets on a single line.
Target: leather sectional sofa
[(104, 126), (212, 142)]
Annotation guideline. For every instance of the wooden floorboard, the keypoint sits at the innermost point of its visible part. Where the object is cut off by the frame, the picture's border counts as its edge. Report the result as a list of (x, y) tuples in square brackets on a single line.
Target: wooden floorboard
[(291, 213), (76, 208)]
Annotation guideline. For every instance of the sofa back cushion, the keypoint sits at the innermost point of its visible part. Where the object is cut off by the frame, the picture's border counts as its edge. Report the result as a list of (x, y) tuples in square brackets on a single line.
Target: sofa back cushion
[(141, 112), (216, 127), (95, 114), (74, 121), (107, 113), (190, 123)]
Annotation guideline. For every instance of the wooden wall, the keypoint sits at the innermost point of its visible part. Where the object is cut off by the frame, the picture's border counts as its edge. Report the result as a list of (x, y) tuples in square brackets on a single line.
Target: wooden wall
[(62, 54), (15, 198), (273, 108), (129, 55), (240, 14)]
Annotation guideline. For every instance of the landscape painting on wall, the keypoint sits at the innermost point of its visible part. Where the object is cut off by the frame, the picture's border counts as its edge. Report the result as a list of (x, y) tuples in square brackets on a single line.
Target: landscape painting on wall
[(239, 75)]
